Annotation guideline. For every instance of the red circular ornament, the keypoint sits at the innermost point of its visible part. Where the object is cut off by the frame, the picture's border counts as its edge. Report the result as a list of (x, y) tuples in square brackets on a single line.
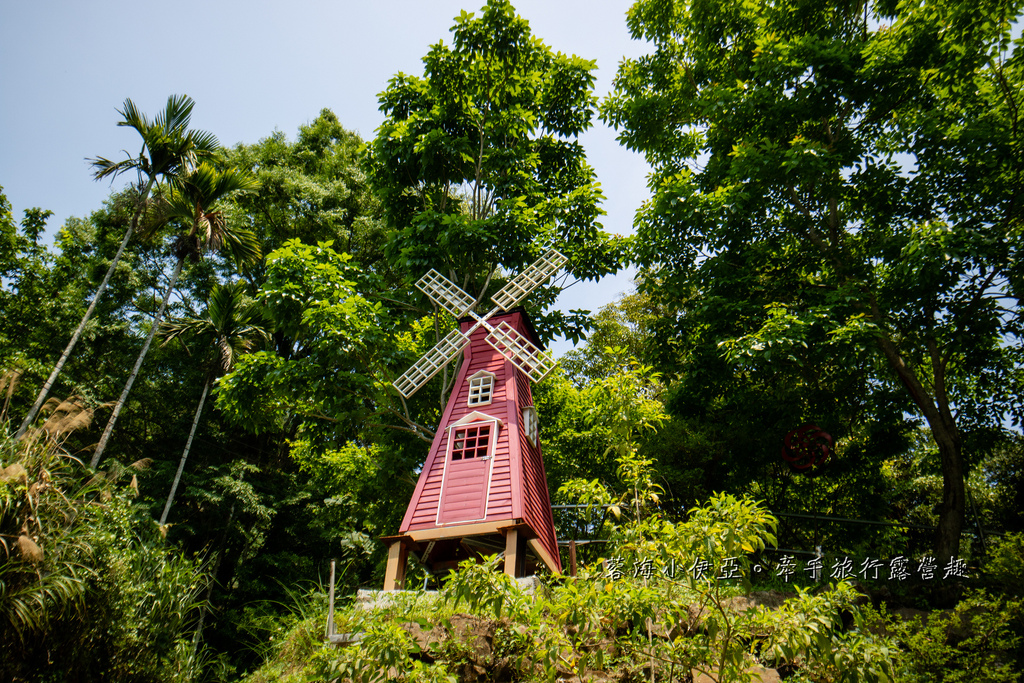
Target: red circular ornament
[(806, 448)]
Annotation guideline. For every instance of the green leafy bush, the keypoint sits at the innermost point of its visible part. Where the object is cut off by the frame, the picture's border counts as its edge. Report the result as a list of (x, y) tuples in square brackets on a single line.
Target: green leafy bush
[(979, 640), (88, 590), (618, 627), (1006, 564)]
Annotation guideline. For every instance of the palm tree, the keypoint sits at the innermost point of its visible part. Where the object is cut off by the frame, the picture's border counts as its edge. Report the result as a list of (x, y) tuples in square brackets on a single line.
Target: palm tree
[(192, 201), (231, 328), (169, 150)]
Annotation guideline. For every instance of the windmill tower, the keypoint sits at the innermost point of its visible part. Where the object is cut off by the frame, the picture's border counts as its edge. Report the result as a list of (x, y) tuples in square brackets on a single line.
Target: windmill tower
[(482, 489)]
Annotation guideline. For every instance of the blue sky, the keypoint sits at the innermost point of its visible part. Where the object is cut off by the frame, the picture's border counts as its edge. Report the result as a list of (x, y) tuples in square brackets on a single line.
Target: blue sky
[(254, 67)]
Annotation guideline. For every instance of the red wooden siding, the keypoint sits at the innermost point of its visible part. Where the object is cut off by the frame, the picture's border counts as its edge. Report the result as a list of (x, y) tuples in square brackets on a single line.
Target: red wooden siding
[(518, 487), (423, 508), (464, 493), (537, 502)]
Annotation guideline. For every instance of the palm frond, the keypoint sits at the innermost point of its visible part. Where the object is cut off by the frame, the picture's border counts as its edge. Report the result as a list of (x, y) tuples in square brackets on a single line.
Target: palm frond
[(224, 303), (170, 206), (176, 114), (28, 607), (104, 168), (197, 195), (229, 325), (252, 313), (234, 180), (207, 184), (168, 148), (205, 144), (133, 117), (242, 245), (173, 328)]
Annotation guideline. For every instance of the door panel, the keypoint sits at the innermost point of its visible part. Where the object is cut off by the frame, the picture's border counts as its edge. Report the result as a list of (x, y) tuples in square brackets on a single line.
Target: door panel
[(467, 473)]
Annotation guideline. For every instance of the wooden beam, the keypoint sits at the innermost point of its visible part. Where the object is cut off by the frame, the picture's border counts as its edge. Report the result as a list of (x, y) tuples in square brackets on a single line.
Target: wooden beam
[(394, 576), (544, 556), (512, 552), (459, 531)]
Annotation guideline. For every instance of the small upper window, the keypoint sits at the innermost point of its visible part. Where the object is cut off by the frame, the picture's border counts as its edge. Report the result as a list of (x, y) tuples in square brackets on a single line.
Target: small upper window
[(481, 388), (531, 424)]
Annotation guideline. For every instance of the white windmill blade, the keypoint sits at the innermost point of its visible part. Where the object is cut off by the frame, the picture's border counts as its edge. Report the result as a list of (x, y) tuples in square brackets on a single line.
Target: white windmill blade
[(436, 358), (524, 355), (445, 294), (528, 280)]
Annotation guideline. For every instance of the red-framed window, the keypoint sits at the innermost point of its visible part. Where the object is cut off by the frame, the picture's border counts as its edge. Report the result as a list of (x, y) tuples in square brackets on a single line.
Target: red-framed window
[(471, 441)]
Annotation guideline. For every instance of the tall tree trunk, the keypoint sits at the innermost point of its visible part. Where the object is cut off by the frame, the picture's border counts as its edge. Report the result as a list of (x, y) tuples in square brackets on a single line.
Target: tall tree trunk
[(936, 411), (45, 391), (198, 636), (953, 508), (184, 456), (102, 445)]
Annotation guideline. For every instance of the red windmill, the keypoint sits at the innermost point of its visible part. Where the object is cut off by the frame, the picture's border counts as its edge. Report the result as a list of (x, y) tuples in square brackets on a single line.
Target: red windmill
[(482, 489)]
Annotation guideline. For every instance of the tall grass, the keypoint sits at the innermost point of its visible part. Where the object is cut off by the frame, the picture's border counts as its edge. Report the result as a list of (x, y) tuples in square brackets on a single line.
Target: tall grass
[(88, 589)]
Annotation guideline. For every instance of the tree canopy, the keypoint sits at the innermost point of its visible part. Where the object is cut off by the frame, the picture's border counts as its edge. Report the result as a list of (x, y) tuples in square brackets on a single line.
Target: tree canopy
[(839, 180), (479, 167), (830, 249)]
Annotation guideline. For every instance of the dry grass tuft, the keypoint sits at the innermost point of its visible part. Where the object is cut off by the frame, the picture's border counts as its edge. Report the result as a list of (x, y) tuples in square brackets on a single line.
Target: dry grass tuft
[(29, 549), (14, 472), (63, 418), (66, 416), (8, 383)]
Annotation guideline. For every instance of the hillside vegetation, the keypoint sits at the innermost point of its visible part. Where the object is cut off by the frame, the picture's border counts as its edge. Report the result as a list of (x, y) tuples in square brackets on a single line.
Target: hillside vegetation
[(794, 448)]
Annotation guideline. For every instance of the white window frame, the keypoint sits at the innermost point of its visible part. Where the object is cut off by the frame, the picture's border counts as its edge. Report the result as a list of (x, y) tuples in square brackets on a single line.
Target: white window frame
[(531, 424), (476, 387)]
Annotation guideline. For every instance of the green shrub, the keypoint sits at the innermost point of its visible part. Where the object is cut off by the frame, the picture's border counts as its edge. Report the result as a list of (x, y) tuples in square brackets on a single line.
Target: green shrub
[(979, 640), (89, 592), (1006, 564)]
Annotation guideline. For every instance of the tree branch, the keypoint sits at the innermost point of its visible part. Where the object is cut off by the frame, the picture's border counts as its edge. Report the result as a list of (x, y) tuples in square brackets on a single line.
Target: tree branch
[(811, 233), (917, 391)]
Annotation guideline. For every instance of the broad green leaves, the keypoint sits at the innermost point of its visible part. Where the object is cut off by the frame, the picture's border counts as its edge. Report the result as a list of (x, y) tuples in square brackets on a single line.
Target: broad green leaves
[(832, 184), (478, 164), (336, 339), (621, 410), (313, 190)]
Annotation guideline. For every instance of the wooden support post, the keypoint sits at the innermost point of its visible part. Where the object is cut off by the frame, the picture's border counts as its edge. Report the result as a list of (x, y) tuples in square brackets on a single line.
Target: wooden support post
[(572, 558), (512, 552), (330, 603), (394, 576)]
